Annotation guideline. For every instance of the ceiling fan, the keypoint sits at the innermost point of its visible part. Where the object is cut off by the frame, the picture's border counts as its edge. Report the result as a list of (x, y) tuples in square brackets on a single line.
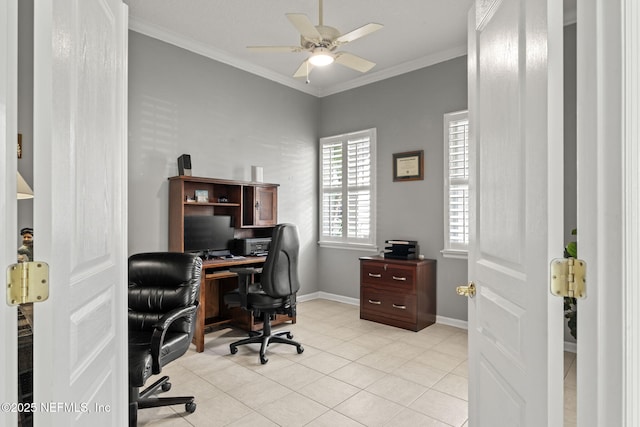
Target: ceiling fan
[(323, 41)]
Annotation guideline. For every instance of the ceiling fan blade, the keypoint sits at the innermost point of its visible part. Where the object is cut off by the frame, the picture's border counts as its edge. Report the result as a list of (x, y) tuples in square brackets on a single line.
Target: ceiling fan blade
[(304, 26), (304, 69), (353, 61), (275, 48), (357, 33)]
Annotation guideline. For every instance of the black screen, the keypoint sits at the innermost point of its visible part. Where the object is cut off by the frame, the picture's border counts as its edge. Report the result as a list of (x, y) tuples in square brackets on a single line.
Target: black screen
[(207, 233)]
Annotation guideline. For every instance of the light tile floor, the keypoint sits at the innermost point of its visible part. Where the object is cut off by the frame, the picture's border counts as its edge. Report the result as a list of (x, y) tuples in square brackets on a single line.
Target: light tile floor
[(352, 373), (570, 390)]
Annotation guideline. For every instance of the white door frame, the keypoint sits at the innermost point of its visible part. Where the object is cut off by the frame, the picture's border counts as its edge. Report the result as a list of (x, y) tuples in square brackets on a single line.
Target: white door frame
[(608, 208), (631, 212), (8, 202)]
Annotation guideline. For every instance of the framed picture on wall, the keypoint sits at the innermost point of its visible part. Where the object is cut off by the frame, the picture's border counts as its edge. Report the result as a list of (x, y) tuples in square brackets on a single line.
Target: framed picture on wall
[(408, 166)]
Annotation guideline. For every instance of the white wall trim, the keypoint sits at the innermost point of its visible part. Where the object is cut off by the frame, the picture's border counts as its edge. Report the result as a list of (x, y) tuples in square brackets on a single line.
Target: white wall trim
[(571, 347), (330, 297), (450, 321)]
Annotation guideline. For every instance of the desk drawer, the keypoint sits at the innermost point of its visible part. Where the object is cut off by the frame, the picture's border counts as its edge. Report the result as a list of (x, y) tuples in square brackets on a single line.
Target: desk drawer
[(391, 276), (375, 303)]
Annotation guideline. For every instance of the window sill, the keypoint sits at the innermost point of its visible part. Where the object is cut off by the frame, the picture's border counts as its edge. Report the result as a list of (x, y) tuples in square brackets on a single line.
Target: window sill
[(454, 253), (348, 246)]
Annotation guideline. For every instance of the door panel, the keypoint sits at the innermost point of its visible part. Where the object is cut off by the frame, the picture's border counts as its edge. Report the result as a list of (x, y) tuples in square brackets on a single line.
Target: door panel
[(515, 375), (80, 211)]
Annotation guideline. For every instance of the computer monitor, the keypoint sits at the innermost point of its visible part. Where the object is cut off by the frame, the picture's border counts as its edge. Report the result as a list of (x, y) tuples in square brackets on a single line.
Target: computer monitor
[(209, 235)]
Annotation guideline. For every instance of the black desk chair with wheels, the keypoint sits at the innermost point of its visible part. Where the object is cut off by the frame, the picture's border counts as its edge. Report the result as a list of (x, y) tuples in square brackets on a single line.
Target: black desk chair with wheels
[(276, 292), (164, 288)]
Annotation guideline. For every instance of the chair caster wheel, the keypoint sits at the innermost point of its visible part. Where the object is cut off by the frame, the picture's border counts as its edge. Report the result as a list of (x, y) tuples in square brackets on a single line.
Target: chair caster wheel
[(263, 359), (300, 349), (233, 349), (190, 407), (166, 387), (289, 335)]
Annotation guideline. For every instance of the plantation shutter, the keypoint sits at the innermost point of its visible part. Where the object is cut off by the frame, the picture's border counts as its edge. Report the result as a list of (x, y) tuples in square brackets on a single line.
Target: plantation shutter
[(457, 181), (347, 189)]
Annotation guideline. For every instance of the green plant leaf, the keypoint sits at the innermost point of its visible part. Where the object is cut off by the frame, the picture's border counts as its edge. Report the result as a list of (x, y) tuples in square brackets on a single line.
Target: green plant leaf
[(572, 249)]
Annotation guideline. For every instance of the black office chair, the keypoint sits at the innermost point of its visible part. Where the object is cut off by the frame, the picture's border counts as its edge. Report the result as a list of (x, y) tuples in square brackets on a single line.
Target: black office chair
[(164, 288), (276, 292)]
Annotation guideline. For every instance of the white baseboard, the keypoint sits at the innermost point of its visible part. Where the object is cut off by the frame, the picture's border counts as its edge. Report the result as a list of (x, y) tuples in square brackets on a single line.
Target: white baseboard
[(462, 324), (330, 297), (571, 347)]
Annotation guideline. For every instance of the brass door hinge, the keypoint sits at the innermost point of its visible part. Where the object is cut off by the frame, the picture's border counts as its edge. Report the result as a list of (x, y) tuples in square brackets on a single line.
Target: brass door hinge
[(27, 282), (568, 278)]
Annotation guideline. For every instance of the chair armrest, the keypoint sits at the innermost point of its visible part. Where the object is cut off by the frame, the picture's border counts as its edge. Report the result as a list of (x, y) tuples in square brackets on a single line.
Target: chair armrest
[(160, 330), (242, 271), (244, 279)]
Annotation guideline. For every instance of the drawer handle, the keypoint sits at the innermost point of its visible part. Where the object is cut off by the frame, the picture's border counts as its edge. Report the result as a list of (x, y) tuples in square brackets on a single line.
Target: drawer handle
[(402, 279), (401, 307), (375, 302), (375, 275)]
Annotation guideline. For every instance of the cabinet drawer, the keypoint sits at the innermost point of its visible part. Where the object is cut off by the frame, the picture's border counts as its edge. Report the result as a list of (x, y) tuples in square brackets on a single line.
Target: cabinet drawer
[(391, 276), (388, 304)]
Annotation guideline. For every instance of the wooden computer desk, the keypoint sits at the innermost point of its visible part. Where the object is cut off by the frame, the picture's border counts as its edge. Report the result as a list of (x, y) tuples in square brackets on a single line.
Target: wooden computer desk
[(217, 279)]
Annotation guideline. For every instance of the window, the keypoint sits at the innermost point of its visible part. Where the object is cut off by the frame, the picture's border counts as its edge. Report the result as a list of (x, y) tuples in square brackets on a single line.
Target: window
[(347, 190), (456, 185)]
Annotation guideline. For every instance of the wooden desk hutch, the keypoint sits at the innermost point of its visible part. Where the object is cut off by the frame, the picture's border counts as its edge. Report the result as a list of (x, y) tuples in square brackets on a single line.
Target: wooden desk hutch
[(254, 209)]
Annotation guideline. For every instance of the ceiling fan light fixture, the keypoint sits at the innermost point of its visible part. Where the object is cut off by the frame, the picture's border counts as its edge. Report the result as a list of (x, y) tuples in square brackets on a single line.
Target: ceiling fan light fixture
[(321, 56)]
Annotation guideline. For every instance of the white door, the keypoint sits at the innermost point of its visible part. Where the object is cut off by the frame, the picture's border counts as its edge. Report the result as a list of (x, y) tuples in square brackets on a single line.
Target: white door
[(8, 222), (515, 110), (80, 178)]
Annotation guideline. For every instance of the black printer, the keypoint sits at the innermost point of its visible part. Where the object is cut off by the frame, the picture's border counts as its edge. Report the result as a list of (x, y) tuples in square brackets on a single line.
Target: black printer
[(258, 246)]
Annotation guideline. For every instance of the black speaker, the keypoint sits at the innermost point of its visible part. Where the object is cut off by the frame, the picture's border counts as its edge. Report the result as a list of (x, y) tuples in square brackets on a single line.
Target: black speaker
[(184, 165)]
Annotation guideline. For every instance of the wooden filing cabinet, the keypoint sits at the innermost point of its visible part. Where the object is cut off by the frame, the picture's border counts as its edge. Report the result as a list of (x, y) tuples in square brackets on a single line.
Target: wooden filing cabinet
[(399, 293)]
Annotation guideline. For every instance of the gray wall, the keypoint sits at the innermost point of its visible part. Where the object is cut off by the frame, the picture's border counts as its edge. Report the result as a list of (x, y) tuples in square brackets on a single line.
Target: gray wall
[(407, 111), (227, 120)]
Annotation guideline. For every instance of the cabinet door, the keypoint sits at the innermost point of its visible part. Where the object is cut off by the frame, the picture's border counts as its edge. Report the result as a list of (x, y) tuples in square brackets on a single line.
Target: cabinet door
[(266, 206), (260, 206)]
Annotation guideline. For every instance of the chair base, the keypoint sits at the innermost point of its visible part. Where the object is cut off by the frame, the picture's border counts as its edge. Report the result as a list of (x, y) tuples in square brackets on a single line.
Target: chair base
[(146, 399), (265, 338)]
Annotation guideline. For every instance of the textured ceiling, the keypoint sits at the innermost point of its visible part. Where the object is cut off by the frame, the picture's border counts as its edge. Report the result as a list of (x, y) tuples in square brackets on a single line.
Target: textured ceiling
[(416, 33)]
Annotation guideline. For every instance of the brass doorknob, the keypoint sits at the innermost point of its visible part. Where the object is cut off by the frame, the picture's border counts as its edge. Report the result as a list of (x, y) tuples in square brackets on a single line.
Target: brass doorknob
[(467, 291)]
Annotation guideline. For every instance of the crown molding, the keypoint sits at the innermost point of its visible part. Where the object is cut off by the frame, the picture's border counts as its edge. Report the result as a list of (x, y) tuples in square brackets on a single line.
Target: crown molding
[(397, 70), (187, 43), (194, 46)]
